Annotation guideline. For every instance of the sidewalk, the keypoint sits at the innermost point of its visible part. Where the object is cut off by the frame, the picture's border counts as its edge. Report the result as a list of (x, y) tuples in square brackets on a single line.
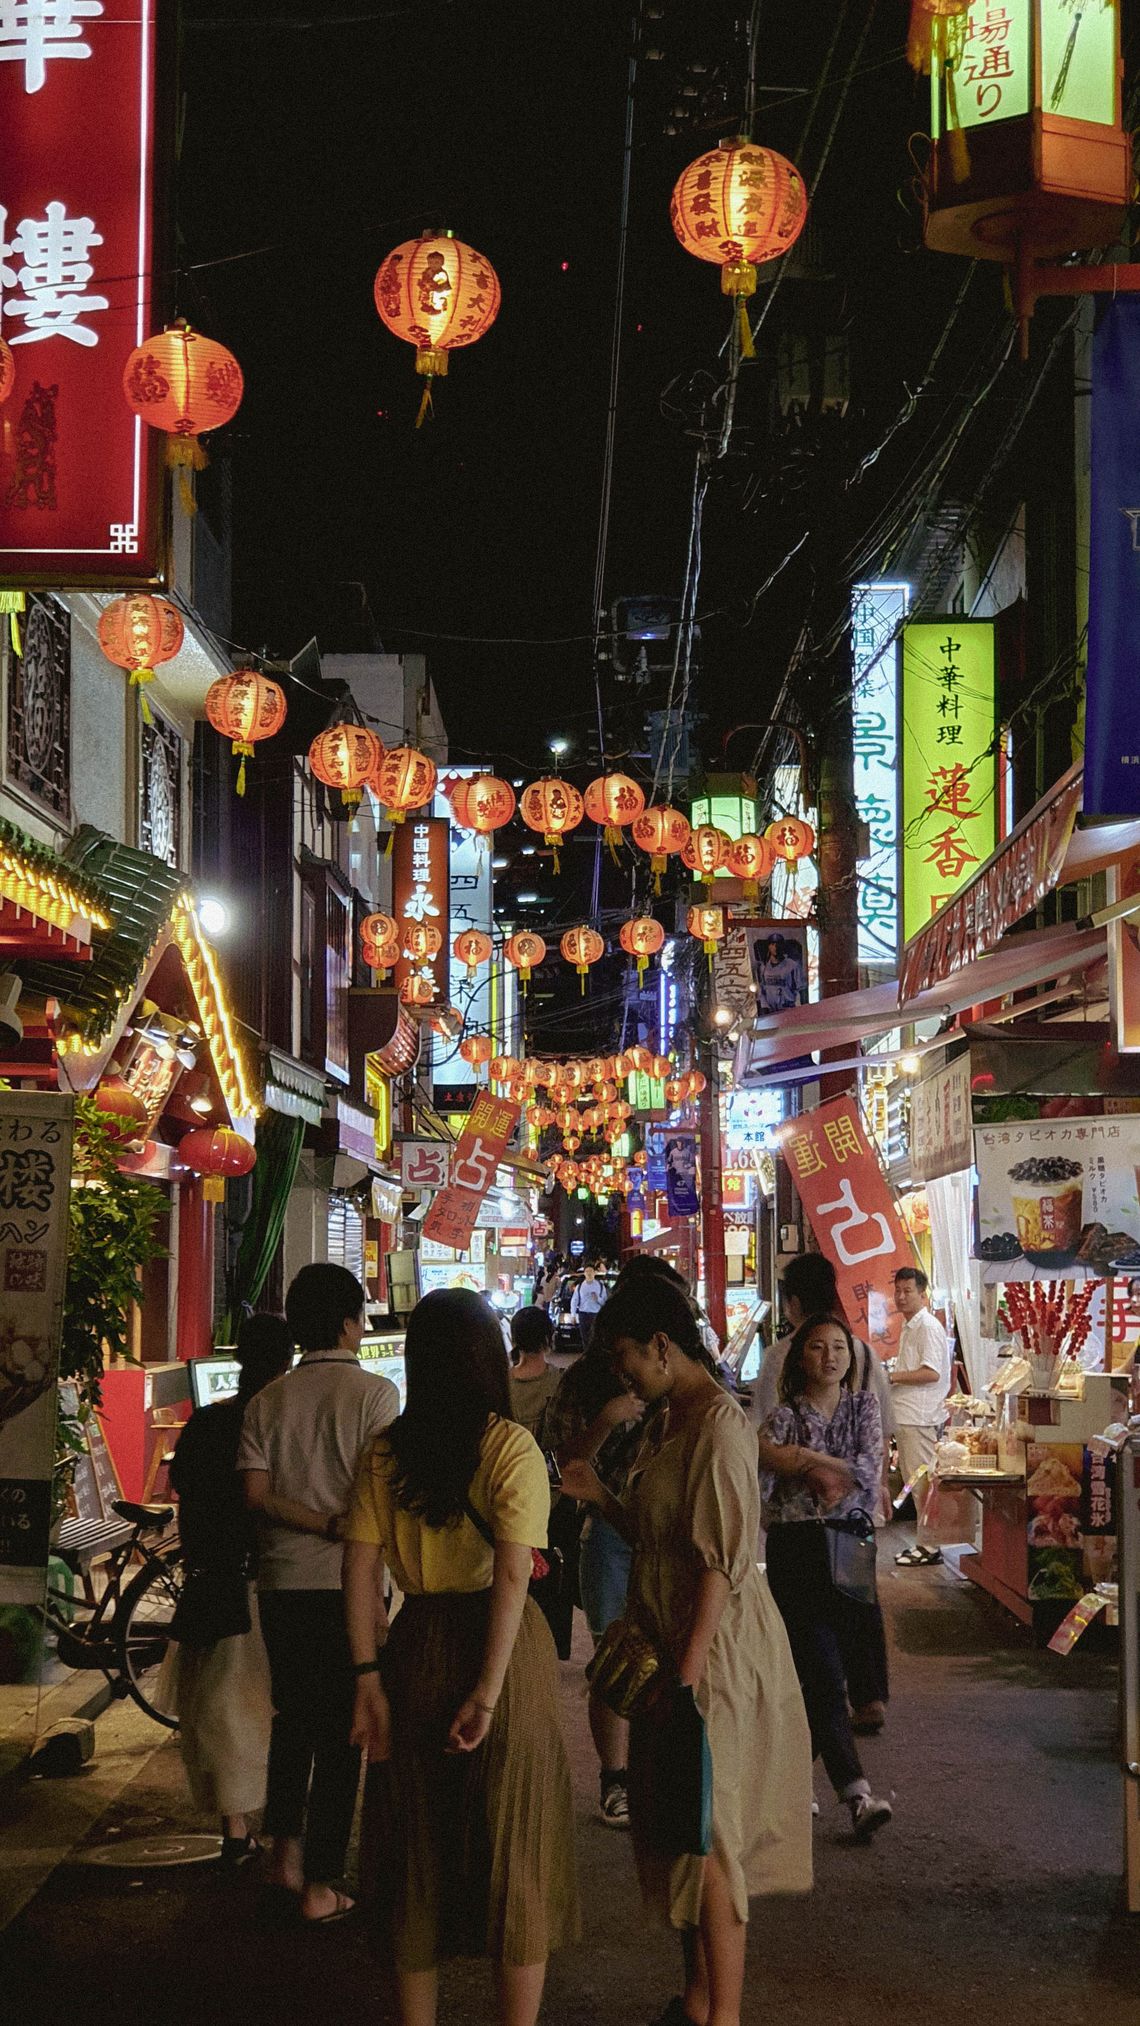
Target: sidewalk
[(992, 1900)]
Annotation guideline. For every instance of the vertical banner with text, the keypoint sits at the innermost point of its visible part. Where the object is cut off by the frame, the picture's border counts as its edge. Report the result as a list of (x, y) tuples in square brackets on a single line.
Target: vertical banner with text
[(421, 901), (949, 765), (35, 1194), (481, 1147), (1112, 686), (853, 1214)]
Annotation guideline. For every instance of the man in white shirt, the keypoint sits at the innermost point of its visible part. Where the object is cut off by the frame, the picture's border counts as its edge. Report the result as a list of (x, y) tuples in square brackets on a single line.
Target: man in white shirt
[(920, 1381), (588, 1297)]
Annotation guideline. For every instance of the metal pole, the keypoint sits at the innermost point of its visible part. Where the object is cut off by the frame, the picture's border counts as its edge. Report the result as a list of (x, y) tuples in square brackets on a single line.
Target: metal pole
[(712, 1196), (1128, 1525)]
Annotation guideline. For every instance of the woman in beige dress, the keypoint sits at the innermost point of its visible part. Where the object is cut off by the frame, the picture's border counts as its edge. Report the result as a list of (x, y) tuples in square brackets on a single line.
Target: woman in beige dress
[(692, 1512)]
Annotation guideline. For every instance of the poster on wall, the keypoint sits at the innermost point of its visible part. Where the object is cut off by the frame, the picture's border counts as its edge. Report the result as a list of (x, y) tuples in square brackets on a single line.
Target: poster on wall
[(762, 967), (35, 1193), (853, 1214), (681, 1175), (1058, 1196)]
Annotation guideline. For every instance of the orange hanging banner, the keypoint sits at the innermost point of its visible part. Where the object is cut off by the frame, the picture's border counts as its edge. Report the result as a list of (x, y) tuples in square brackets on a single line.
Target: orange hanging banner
[(853, 1215), (483, 1142)]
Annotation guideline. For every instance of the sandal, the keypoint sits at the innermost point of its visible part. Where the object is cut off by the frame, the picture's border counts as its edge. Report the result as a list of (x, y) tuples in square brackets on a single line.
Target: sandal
[(344, 1906), (918, 1558), (238, 1851)]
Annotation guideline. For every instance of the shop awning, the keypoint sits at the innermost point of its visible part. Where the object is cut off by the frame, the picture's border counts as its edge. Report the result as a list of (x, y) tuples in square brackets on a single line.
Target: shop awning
[(1022, 961), (292, 1088)]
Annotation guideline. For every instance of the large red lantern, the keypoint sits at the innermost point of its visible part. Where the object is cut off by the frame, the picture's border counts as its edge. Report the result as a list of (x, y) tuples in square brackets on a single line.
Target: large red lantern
[(476, 1049), (706, 851), (483, 803), (707, 925), (525, 951), (791, 839), (139, 632), (379, 928), (346, 757), (245, 707), (738, 206), (660, 831), (437, 294), (183, 384), (641, 938), (122, 1114), (552, 808), (421, 942), (582, 947), (505, 1068), (472, 947), (216, 1153), (382, 957), (662, 1067), (751, 859), (614, 800), (404, 780), (676, 1090), (696, 1082), (417, 991)]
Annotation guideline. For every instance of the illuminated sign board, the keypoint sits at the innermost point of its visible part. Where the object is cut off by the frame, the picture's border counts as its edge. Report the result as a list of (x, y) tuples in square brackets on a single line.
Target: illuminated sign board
[(470, 893), (734, 814), (949, 772), (646, 1093), (80, 474), (877, 613), (988, 74), (420, 894)]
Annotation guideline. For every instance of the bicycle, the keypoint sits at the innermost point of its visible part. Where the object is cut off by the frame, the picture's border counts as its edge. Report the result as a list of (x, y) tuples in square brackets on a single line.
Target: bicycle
[(126, 1633)]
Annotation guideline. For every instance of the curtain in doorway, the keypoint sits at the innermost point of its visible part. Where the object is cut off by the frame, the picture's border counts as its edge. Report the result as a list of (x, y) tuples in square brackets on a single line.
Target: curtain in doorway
[(956, 1270), (278, 1153)]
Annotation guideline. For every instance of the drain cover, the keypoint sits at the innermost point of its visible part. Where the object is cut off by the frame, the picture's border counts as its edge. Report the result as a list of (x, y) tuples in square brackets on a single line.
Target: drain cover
[(153, 1853)]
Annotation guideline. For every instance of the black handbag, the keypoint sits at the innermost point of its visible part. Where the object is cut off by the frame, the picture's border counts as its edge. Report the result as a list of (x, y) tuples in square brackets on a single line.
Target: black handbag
[(214, 1605), (548, 1566), (852, 1555)]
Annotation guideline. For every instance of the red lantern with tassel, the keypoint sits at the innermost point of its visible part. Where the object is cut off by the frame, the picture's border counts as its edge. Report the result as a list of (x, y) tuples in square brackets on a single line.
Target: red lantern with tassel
[(216, 1154), (676, 1090), (183, 384), (738, 206), (524, 952), (437, 294), (641, 938), (346, 757), (551, 808), (404, 780), (245, 707), (482, 803), (582, 947), (382, 957), (707, 925), (613, 800), (421, 942), (122, 1114), (751, 859), (472, 947), (709, 848), (791, 839), (660, 831), (139, 632)]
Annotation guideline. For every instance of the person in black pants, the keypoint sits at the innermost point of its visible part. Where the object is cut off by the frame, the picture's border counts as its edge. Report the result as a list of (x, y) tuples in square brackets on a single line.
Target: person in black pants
[(821, 1452), (302, 1442)]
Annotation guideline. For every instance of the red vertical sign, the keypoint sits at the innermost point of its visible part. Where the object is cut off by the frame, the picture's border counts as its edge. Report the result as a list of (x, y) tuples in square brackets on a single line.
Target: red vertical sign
[(484, 1140), (80, 475), (853, 1214), (421, 898)]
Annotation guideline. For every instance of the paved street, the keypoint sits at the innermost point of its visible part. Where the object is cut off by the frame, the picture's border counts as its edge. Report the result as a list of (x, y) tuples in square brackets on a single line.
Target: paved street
[(993, 1897)]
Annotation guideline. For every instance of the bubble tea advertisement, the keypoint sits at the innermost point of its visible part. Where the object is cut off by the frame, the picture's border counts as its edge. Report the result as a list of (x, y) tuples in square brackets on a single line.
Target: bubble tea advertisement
[(1059, 1196)]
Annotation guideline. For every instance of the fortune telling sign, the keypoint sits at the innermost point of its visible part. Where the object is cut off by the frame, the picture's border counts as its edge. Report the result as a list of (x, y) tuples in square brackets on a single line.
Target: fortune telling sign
[(453, 1213), (35, 1193)]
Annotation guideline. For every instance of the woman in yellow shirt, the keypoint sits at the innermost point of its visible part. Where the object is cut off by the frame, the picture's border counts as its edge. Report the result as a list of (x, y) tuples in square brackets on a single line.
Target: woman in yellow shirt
[(468, 1824)]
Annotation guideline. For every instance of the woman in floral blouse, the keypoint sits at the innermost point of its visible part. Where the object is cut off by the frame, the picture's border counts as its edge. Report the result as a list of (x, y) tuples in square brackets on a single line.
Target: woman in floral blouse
[(821, 1452)]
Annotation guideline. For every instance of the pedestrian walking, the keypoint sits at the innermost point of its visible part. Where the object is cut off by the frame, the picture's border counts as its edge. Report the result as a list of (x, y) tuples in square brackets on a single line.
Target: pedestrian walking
[(588, 1297), (546, 1281), (301, 1444), (652, 1263), (920, 1381), (692, 1512), (822, 1455), (468, 1816), (533, 1382), (219, 1678), (594, 1417)]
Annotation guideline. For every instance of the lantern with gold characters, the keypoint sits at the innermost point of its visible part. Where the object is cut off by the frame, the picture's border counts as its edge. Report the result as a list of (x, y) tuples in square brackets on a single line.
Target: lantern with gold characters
[(738, 206), (216, 1153), (245, 707), (707, 925), (139, 632), (472, 947), (551, 808), (481, 803), (750, 859), (345, 757), (660, 831), (524, 952), (437, 294), (582, 947), (476, 1049), (184, 384), (613, 801), (404, 780)]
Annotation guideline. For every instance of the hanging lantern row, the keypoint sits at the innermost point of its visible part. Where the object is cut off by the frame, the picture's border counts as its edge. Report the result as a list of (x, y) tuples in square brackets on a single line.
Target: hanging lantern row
[(472, 947), (791, 839), (661, 831), (346, 756)]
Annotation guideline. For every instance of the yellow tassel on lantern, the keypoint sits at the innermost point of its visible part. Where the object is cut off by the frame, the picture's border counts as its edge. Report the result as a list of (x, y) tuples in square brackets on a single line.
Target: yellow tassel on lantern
[(246, 751), (13, 603), (744, 325), (391, 839), (642, 967), (139, 679), (185, 454), (551, 839), (214, 1188), (432, 363), (583, 973)]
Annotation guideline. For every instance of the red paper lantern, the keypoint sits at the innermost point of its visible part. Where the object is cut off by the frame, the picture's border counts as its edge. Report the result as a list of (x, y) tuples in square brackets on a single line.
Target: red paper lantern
[(346, 757), (139, 632), (707, 925), (379, 929), (660, 831), (642, 1059), (623, 1066), (751, 859), (709, 848), (472, 947), (738, 206), (551, 808), (421, 942), (437, 294), (662, 1067), (245, 707), (216, 1153), (183, 384), (483, 803), (641, 938), (582, 947), (122, 1114), (573, 1075), (614, 800), (382, 957), (676, 1090), (504, 1068), (404, 779), (525, 951), (476, 1049), (791, 839), (417, 991), (7, 371), (695, 1082)]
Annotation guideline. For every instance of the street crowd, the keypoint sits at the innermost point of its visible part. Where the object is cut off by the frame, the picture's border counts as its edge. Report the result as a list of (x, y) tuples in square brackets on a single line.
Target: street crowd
[(398, 1586)]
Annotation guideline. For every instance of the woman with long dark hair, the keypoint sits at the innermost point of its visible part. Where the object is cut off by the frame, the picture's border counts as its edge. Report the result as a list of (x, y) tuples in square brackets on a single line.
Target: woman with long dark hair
[(692, 1512), (468, 1829)]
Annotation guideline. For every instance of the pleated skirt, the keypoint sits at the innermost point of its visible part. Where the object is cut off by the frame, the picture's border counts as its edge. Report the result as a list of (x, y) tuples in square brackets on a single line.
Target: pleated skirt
[(222, 1699), (472, 1854)]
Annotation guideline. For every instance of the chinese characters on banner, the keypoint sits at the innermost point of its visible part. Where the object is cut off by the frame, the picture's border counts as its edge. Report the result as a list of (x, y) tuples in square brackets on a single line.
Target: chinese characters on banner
[(35, 1193), (992, 67), (421, 897), (470, 886), (451, 1219), (949, 768), (80, 487), (852, 1213), (941, 1123), (877, 614)]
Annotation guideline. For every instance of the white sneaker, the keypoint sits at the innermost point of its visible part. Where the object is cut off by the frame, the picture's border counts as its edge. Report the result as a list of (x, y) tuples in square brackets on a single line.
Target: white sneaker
[(615, 1805), (868, 1815)]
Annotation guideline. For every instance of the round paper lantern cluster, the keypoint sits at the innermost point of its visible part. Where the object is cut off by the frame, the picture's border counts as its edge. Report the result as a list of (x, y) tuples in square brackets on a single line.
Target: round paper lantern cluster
[(482, 804), (472, 947), (738, 206), (613, 801), (346, 757), (403, 780), (216, 1153), (139, 632), (438, 295), (183, 384), (245, 707), (551, 808)]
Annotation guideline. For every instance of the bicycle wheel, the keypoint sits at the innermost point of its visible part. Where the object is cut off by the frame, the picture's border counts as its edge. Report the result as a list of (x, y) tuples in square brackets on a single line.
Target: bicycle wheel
[(142, 1630)]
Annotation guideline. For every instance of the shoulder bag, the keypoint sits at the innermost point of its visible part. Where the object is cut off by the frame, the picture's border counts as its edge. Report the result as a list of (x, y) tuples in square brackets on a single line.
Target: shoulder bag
[(852, 1551), (547, 1568)]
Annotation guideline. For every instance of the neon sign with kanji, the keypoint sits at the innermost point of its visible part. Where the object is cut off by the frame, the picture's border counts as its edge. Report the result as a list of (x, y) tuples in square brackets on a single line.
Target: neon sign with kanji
[(949, 760)]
